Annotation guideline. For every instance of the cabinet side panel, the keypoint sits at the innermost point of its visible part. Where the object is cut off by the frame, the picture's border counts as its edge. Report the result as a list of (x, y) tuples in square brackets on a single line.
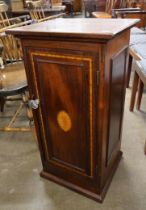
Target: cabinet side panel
[(117, 83)]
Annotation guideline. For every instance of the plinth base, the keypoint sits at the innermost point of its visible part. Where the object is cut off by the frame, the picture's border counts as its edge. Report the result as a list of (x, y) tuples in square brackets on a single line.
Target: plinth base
[(85, 192)]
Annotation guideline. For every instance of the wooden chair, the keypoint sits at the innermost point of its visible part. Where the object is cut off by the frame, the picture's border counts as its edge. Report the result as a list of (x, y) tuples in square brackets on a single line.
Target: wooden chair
[(138, 83), (137, 52), (129, 4), (5, 20), (3, 11), (115, 7), (37, 11), (110, 4), (137, 39), (91, 6), (12, 77)]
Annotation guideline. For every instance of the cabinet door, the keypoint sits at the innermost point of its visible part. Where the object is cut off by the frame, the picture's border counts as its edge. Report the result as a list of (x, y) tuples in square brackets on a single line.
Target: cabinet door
[(65, 119)]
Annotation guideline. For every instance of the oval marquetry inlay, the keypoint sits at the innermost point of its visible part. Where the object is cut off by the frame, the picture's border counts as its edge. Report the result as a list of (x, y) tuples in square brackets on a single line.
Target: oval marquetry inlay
[(64, 121)]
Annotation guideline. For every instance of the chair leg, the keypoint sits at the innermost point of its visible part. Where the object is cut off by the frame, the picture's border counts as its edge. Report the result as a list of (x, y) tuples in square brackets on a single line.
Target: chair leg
[(145, 148), (129, 70), (2, 103), (134, 89), (34, 134), (140, 92)]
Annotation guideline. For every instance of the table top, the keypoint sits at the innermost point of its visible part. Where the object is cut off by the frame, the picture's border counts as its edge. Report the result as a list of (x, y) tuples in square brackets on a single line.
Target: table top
[(76, 28)]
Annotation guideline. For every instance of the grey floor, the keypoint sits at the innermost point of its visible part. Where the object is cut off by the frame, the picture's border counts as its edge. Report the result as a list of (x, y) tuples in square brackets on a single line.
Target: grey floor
[(21, 187)]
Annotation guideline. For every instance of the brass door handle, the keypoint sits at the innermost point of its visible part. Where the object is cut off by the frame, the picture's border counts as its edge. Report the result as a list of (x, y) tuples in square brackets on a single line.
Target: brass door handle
[(33, 104)]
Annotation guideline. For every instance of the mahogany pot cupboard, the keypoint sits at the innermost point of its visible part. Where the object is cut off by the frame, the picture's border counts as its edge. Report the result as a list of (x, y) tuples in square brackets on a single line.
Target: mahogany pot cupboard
[(76, 69)]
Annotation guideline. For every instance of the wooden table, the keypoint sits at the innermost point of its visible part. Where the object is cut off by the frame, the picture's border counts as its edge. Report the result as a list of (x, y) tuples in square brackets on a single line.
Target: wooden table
[(76, 68)]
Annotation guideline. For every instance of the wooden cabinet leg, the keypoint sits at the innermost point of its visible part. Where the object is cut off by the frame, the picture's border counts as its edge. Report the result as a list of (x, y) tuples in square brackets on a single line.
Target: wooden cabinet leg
[(129, 70), (140, 92), (134, 89)]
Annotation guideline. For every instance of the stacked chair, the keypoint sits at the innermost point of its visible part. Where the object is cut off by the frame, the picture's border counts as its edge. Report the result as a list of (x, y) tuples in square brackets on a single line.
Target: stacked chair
[(13, 83), (38, 11), (6, 21), (110, 4), (133, 9), (117, 9), (101, 9), (91, 6)]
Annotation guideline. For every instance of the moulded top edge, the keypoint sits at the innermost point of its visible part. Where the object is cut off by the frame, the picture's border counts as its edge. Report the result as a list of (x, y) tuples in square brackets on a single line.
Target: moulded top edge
[(76, 28)]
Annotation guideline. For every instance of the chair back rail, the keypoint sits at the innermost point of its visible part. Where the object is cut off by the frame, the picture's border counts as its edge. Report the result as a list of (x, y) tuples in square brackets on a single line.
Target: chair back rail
[(113, 4), (11, 45), (12, 48), (35, 9)]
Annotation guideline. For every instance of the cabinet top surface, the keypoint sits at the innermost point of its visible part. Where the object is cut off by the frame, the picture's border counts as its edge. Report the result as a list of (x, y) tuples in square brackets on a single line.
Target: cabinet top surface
[(76, 28)]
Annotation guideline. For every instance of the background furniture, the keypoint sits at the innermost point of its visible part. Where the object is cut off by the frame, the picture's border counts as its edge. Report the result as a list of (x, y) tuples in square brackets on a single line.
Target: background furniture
[(137, 37), (6, 21), (92, 6), (48, 12), (79, 75), (110, 4), (138, 83), (38, 11), (12, 75), (137, 52), (49, 9), (69, 4), (139, 79), (77, 5), (131, 13), (16, 5), (120, 8)]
